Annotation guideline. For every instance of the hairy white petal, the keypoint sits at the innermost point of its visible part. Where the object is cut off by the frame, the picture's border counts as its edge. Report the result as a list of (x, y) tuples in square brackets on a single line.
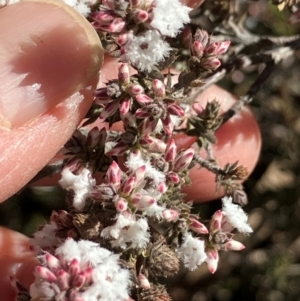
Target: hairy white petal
[(145, 50), (235, 215), (127, 232), (169, 16), (192, 252), (81, 184)]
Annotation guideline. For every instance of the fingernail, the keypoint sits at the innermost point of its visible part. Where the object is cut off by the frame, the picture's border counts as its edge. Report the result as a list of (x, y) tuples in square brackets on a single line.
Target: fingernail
[(48, 52)]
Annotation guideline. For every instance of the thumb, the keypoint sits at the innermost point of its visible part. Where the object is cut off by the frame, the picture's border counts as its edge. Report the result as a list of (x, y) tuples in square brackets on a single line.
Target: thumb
[(49, 62), (16, 260)]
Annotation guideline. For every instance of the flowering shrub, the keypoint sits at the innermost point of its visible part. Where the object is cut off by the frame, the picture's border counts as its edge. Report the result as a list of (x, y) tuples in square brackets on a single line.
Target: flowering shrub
[(130, 227)]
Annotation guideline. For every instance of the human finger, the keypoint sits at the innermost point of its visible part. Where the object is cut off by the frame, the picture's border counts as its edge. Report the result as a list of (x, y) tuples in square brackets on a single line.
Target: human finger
[(16, 260), (48, 74)]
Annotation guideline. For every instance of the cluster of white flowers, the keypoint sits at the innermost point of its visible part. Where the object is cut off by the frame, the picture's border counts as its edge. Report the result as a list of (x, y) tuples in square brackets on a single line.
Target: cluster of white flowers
[(77, 265), (82, 185), (128, 232), (148, 49), (235, 216)]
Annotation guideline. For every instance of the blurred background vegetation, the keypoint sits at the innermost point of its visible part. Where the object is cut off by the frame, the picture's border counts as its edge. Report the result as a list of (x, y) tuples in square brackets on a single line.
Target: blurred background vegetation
[(269, 267)]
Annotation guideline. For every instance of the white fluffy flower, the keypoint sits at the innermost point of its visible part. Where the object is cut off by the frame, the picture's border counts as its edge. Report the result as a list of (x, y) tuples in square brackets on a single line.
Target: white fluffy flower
[(192, 252), (235, 215), (81, 184), (169, 16), (128, 232), (145, 50), (84, 271)]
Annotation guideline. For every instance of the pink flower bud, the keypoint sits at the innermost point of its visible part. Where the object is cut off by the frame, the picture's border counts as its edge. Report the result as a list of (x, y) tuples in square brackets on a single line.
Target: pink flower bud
[(153, 144), (103, 17), (135, 89), (233, 245), (141, 201), (175, 110), (141, 113), (88, 275), (122, 39), (117, 25), (184, 159), (149, 125), (121, 205), (109, 109), (128, 185), (162, 187), (140, 174), (45, 274), (113, 174), (171, 151), (118, 149), (223, 47), (215, 222), (212, 260), (74, 267), (124, 106), (225, 224), (173, 177), (124, 74), (158, 88), (63, 279), (143, 281), (146, 139), (211, 63), (198, 49), (168, 125), (52, 262), (79, 280), (143, 99), (141, 16), (170, 215), (212, 49), (198, 227)]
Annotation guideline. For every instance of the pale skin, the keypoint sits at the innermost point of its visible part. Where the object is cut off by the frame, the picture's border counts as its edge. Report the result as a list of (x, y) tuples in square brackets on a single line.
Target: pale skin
[(31, 134)]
